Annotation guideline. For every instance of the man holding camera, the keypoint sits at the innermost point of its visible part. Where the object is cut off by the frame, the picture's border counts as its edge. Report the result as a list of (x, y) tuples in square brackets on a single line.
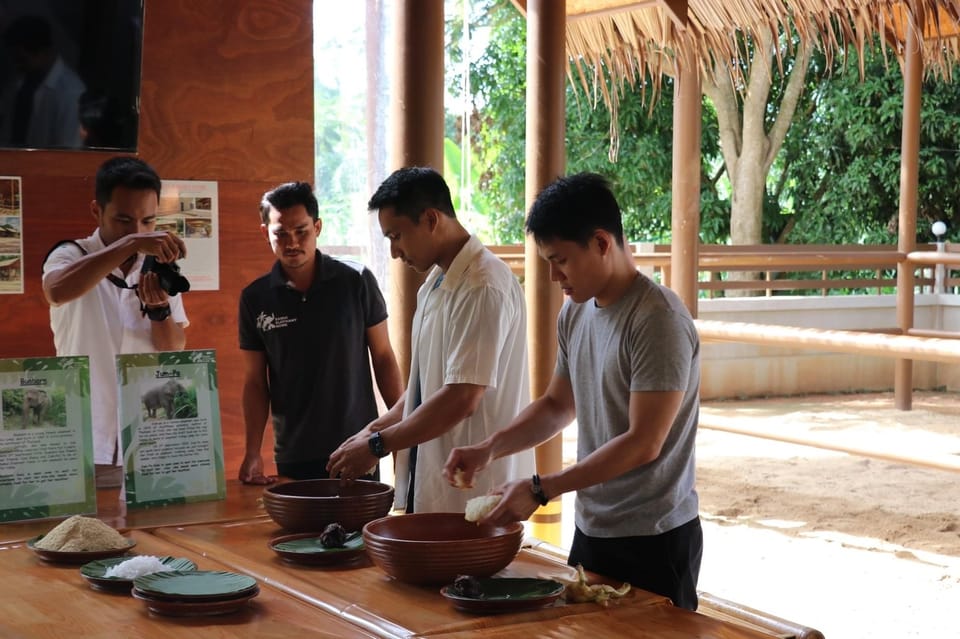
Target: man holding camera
[(103, 302)]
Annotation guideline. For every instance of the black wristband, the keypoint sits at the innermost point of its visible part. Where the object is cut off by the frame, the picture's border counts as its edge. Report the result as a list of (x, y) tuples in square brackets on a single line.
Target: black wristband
[(537, 490), (376, 446), (157, 314)]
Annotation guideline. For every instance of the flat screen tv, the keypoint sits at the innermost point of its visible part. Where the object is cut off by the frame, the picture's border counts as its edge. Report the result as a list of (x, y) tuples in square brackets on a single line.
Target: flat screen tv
[(70, 74)]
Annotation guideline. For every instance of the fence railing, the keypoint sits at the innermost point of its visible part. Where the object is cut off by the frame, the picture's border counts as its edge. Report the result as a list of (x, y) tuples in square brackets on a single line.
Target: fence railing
[(790, 267)]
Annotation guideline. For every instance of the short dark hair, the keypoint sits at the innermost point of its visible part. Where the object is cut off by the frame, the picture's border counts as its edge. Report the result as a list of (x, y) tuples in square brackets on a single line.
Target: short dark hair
[(288, 195), (30, 33), (411, 191), (572, 208), (132, 173)]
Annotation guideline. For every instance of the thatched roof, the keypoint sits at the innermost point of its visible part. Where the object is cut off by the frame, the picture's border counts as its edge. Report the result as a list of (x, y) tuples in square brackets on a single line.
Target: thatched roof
[(619, 40)]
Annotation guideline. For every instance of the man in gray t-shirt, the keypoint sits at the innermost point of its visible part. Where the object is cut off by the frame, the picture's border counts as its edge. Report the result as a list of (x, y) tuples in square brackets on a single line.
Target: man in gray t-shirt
[(628, 370)]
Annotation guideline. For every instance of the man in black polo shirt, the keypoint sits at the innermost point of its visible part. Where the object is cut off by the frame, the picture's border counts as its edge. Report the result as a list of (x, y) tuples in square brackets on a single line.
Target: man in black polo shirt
[(305, 331)]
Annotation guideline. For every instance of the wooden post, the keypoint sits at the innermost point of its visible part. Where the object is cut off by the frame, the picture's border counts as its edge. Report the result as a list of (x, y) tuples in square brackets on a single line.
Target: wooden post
[(685, 217), (545, 157), (906, 238), (417, 140)]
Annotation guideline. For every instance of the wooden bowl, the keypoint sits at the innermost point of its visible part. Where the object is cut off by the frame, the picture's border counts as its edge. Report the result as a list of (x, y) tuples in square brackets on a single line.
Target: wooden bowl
[(311, 504), (433, 548)]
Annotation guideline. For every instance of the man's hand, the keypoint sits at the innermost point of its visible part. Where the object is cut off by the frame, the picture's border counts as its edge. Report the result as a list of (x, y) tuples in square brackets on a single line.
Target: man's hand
[(517, 504), (164, 245), (463, 463), (352, 460), (251, 471), (150, 292)]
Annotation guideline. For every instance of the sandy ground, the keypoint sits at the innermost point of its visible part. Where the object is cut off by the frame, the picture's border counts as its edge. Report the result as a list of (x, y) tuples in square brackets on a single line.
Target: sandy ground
[(850, 545), (856, 547)]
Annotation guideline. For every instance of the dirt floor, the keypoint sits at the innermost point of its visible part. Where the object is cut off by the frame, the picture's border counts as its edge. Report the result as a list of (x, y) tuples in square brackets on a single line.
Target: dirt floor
[(854, 546)]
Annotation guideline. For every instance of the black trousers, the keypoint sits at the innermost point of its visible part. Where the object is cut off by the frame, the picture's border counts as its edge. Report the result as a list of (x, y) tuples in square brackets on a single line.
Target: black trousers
[(667, 564), (314, 470)]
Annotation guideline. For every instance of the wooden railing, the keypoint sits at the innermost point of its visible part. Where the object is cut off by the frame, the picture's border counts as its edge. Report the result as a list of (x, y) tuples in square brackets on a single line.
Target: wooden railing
[(790, 267)]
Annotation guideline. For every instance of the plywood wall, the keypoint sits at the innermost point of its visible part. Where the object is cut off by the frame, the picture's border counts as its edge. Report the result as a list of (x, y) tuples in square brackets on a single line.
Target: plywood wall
[(227, 95)]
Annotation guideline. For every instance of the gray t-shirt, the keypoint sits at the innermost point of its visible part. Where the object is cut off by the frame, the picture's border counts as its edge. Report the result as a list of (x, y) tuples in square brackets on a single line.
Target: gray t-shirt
[(645, 341)]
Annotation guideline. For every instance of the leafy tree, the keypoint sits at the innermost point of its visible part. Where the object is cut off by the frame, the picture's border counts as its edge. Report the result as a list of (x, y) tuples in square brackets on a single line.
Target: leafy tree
[(834, 180), (641, 174), (844, 157)]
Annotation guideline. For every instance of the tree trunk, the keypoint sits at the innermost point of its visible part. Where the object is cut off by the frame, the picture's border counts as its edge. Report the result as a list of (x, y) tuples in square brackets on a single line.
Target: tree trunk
[(748, 148)]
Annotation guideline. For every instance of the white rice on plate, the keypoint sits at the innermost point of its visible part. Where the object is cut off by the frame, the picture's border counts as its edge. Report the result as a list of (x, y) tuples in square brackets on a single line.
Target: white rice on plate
[(137, 567)]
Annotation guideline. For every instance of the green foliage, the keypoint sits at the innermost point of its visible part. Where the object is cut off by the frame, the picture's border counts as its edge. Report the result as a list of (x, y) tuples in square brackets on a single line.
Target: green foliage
[(641, 176), (185, 404), (844, 157)]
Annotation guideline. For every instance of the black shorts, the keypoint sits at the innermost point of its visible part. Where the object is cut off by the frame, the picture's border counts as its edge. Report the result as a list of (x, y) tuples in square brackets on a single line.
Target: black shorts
[(667, 564), (314, 470)]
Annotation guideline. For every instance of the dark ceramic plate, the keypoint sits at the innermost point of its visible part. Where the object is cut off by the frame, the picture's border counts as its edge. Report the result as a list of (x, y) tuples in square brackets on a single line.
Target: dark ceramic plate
[(506, 594), (305, 548), (180, 608), (95, 572), (194, 585), (79, 557)]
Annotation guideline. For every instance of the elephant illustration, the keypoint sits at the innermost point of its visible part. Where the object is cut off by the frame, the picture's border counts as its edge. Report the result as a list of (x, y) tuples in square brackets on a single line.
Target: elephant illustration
[(36, 402), (162, 396)]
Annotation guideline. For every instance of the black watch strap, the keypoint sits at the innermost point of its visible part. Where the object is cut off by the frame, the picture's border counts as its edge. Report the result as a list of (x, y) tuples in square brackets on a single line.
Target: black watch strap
[(537, 491), (157, 314), (376, 446)]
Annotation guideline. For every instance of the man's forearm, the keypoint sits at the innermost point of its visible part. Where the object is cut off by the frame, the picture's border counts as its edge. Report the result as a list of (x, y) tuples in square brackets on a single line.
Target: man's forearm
[(167, 335), (256, 409), (75, 280)]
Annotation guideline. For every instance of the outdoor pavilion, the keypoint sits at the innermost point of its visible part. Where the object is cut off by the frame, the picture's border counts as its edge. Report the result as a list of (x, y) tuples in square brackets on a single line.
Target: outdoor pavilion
[(680, 38)]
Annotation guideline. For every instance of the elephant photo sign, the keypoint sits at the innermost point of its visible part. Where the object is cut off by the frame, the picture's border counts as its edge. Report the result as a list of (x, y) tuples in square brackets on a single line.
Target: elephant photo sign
[(46, 438), (170, 428)]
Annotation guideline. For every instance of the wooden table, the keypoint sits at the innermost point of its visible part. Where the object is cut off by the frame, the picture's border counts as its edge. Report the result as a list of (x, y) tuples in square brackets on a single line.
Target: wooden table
[(364, 595), (40, 600), (628, 622), (242, 503)]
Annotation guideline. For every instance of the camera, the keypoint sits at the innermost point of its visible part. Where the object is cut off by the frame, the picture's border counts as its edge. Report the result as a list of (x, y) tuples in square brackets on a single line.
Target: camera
[(168, 274)]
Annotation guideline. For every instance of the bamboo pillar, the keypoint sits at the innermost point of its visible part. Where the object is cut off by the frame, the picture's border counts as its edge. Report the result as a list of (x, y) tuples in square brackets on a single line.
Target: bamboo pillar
[(909, 175), (545, 158), (685, 213), (416, 136)]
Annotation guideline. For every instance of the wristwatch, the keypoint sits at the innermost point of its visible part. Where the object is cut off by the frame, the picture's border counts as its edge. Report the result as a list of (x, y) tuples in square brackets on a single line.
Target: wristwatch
[(537, 491), (157, 313), (376, 445)]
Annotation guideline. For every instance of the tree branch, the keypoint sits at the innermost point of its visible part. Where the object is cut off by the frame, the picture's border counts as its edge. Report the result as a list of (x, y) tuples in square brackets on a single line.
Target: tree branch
[(788, 104), (758, 91), (719, 88)]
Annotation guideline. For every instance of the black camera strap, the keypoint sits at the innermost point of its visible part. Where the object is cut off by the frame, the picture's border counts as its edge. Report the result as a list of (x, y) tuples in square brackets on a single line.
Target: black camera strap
[(155, 314)]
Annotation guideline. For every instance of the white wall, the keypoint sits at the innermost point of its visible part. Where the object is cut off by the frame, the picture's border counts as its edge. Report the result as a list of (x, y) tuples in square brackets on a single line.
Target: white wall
[(745, 370)]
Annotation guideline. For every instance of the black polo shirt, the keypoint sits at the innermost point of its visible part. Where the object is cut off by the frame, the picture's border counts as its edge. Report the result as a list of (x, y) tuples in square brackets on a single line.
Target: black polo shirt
[(321, 388)]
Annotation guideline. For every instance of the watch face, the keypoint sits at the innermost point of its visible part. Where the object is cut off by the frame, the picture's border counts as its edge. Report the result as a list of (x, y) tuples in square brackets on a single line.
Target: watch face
[(376, 445)]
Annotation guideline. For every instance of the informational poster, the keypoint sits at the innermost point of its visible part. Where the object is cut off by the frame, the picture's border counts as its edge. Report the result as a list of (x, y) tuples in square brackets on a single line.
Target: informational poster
[(170, 436), (11, 236), (46, 438), (191, 210)]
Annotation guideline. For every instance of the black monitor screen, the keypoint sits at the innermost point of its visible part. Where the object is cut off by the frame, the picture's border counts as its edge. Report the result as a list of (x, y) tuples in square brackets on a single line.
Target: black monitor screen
[(70, 73)]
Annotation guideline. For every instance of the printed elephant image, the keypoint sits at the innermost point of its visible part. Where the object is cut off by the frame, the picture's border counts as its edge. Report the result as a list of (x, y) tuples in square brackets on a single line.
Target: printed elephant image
[(162, 396), (36, 403)]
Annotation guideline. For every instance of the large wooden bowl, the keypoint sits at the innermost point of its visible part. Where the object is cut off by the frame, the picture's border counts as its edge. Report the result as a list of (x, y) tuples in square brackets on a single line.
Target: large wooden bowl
[(310, 505), (433, 548)]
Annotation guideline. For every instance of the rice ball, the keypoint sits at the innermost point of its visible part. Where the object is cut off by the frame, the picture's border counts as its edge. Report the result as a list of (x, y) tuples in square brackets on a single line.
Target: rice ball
[(479, 507)]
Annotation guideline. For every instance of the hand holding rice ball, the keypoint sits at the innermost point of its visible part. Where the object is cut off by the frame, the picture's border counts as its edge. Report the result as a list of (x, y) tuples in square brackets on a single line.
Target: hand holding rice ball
[(479, 507)]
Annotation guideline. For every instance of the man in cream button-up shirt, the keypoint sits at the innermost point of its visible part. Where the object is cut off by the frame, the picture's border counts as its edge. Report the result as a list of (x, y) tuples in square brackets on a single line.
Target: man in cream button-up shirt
[(468, 371)]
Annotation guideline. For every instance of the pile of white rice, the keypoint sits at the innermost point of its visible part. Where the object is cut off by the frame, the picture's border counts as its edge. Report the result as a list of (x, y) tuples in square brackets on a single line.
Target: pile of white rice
[(137, 567)]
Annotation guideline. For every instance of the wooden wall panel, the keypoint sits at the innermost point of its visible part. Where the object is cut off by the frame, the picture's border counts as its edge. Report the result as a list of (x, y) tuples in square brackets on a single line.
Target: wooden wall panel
[(226, 95)]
